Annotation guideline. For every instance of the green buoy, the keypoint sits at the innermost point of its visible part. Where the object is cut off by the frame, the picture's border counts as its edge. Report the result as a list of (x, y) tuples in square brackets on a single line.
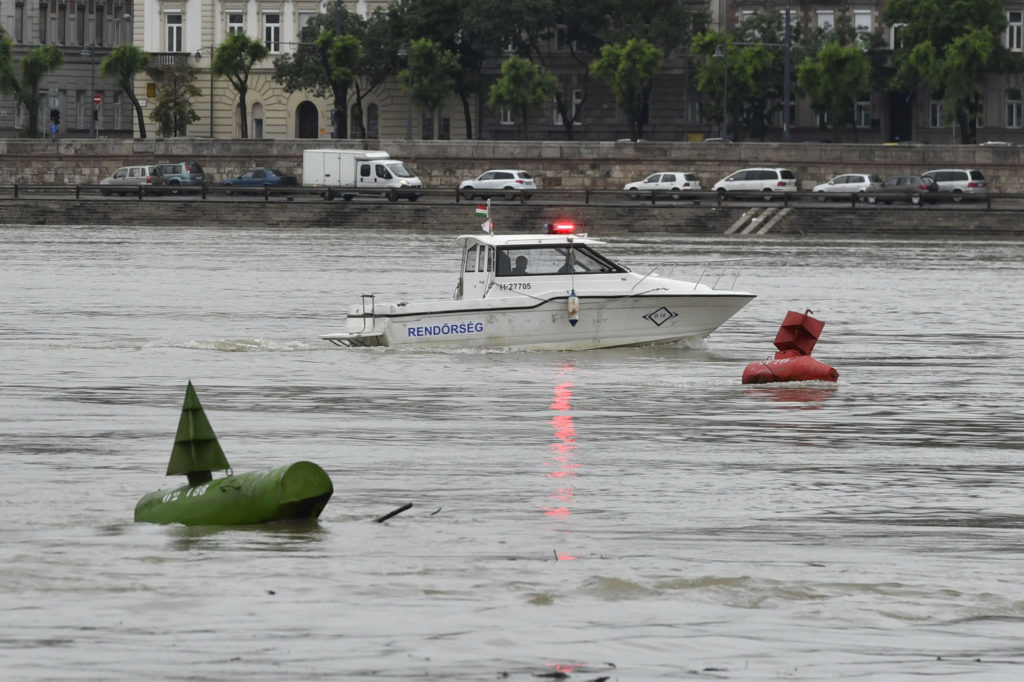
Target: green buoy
[(294, 491)]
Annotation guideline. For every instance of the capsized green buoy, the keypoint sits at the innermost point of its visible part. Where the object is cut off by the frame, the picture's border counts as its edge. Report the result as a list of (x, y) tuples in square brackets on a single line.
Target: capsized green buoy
[(294, 491)]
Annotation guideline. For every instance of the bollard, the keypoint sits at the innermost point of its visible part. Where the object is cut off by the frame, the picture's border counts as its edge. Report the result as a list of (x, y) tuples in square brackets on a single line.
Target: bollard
[(202, 191), (78, 191), (140, 192), (266, 192)]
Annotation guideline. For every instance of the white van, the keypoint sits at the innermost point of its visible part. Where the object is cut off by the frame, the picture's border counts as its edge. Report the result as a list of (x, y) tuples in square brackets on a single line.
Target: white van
[(764, 180)]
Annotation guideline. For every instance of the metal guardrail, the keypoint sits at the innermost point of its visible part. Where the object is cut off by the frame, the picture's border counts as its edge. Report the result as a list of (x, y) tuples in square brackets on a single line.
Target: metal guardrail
[(587, 196)]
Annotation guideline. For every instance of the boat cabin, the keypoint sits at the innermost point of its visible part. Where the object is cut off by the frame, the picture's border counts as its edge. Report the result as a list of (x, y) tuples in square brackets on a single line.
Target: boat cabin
[(497, 263)]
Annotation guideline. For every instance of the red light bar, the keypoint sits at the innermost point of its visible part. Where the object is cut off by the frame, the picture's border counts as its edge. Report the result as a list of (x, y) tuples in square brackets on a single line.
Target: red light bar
[(561, 228)]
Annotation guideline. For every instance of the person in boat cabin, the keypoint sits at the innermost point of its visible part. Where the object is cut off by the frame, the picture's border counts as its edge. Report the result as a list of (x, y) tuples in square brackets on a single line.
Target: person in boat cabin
[(520, 266)]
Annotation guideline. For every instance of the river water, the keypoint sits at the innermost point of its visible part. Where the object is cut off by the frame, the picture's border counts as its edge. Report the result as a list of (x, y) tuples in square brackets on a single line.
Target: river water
[(630, 514)]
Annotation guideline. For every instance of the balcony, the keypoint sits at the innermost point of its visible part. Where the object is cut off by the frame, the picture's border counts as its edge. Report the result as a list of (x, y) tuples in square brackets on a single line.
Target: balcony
[(169, 58)]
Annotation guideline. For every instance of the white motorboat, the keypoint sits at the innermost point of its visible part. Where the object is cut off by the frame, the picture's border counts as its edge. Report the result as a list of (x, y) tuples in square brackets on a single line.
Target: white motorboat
[(552, 291)]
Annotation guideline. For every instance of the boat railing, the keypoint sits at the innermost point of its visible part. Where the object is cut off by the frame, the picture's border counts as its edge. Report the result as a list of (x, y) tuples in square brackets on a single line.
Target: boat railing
[(714, 273), (373, 309)]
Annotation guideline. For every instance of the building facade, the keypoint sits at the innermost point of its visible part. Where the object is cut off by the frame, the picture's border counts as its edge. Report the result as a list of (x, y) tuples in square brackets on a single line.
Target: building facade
[(188, 31)]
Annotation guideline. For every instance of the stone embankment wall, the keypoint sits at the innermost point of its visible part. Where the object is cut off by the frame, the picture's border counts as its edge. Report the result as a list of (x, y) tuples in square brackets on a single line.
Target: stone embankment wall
[(808, 221), (570, 165)]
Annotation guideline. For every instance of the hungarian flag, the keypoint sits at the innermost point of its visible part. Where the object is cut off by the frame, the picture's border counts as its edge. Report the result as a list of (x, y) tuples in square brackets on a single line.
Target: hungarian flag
[(481, 211)]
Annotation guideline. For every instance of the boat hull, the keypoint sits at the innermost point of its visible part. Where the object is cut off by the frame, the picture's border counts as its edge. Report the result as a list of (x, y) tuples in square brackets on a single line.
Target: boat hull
[(294, 491), (603, 322)]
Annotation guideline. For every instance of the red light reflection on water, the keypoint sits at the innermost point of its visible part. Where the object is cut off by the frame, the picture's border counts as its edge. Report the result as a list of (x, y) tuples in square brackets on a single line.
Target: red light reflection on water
[(563, 466)]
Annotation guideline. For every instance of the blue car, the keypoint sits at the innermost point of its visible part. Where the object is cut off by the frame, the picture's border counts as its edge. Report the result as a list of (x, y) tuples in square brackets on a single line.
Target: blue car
[(260, 177)]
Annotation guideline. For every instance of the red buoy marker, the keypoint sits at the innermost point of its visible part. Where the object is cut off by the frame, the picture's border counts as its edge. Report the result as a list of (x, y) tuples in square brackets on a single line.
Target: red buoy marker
[(793, 362)]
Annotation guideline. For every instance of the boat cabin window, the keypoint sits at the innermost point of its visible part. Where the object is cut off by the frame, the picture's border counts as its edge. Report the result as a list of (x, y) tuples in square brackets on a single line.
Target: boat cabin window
[(479, 258), (515, 261)]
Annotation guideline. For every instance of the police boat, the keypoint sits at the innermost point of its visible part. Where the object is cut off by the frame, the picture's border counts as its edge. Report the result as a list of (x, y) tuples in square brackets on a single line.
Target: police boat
[(549, 291)]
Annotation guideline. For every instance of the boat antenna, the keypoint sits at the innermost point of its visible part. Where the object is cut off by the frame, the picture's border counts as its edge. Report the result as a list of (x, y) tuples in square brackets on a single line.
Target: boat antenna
[(573, 301)]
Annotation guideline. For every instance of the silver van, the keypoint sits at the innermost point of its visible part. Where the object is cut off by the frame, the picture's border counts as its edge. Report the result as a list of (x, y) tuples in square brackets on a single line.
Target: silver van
[(962, 183), (767, 181), (128, 179)]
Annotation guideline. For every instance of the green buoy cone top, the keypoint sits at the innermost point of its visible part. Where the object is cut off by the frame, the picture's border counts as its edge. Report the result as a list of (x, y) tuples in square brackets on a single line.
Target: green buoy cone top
[(196, 450)]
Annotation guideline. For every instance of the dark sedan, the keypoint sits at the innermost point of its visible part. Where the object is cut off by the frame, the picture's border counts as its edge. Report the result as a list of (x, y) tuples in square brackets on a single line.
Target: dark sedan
[(261, 177), (912, 188)]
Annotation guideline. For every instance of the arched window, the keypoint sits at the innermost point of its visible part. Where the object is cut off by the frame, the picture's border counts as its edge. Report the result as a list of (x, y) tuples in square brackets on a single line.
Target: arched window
[(1013, 108), (372, 122), (307, 120), (257, 121)]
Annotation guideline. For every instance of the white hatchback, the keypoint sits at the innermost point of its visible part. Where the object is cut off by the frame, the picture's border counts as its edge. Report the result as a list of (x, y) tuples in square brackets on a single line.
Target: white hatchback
[(764, 180), (507, 183), (848, 184), (673, 183)]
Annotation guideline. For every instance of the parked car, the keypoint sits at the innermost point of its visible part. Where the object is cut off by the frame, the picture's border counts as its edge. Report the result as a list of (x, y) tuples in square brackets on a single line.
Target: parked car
[(180, 174), (508, 183), (673, 183), (128, 179), (848, 184), (764, 180), (962, 183), (261, 177), (913, 188)]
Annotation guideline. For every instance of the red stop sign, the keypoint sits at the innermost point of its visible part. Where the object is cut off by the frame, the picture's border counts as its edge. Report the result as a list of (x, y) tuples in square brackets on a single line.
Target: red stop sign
[(97, 98)]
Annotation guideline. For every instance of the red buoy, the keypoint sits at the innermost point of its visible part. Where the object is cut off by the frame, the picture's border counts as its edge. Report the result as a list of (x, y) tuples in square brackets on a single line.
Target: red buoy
[(793, 362)]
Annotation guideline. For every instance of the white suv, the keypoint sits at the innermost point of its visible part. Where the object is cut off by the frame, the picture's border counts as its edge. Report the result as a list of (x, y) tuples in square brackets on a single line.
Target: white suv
[(508, 183), (764, 180), (960, 182)]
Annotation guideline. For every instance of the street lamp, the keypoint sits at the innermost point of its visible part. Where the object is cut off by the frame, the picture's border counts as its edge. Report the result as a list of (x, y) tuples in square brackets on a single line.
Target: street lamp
[(90, 52), (199, 56), (785, 83), (724, 56), (403, 53)]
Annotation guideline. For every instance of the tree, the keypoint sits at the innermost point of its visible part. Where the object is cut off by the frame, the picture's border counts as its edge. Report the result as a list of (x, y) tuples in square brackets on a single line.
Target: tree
[(36, 63), (121, 65), (835, 80), (522, 86), (629, 70), (234, 59), (949, 47), (430, 78), (173, 111)]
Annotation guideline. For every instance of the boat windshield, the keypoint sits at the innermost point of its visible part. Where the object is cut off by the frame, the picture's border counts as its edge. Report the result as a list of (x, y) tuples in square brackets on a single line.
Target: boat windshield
[(548, 259), (400, 170)]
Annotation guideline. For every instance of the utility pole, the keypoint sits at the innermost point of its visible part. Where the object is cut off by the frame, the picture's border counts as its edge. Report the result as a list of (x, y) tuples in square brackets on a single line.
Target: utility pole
[(785, 82)]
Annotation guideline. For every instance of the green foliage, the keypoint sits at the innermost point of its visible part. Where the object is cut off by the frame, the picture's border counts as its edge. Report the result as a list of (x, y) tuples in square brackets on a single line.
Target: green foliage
[(629, 69), (173, 111), (522, 86), (949, 47), (121, 65), (234, 59), (835, 79), (430, 77), (36, 63)]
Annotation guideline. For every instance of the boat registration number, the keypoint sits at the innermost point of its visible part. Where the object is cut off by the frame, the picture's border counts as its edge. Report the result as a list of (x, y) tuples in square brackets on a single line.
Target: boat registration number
[(514, 286), (191, 492)]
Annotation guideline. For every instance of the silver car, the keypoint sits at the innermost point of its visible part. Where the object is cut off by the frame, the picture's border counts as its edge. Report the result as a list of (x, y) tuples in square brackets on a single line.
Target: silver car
[(673, 183), (848, 184), (128, 179), (507, 183)]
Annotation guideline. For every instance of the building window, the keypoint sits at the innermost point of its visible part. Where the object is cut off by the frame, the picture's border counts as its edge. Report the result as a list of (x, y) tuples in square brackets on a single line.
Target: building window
[(80, 25), (117, 111), (235, 23), (577, 99), (862, 114), (305, 18), (1013, 108), (935, 113), (173, 22), (62, 24), (372, 122), (1014, 30), (979, 117), (19, 23), (562, 38), (99, 21), (257, 121), (821, 119), (826, 20), (862, 21), (272, 31), (896, 36), (506, 116), (44, 20)]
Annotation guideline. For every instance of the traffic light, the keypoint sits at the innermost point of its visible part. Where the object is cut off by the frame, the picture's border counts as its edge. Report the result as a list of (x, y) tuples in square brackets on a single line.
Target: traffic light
[(55, 116)]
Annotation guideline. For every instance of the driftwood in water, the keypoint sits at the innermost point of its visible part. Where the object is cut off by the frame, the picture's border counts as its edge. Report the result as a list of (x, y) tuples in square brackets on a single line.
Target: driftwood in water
[(396, 512)]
